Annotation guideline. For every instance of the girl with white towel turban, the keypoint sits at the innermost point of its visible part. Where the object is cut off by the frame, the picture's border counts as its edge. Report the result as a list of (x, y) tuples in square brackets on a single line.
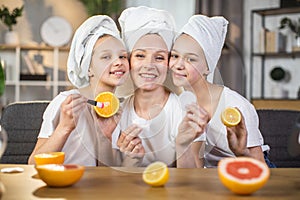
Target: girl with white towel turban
[(97, 62), (152, 112), (194, 57)]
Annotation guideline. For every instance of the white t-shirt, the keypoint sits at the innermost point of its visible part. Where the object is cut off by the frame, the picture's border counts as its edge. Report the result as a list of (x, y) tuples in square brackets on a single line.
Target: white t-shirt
[(159, 134), (216, 146), (80, 145)]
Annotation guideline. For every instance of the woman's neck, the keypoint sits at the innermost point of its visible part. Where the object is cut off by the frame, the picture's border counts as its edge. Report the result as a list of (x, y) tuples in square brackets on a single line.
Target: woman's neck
[(148, 104)]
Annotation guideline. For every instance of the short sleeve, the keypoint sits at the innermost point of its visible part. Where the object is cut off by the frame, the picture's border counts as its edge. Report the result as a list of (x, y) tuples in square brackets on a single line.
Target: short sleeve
[(51, 114)]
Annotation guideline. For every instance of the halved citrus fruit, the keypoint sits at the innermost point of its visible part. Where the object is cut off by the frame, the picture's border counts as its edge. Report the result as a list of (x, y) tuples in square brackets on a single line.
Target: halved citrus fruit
[(60, 175), (156, 174), (231, 117), (243, 175), (111, 103), (49, 158)]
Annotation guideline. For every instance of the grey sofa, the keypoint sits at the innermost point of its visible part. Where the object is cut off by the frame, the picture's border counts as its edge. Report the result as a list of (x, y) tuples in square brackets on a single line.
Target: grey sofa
[(280, 131), (22, 122)]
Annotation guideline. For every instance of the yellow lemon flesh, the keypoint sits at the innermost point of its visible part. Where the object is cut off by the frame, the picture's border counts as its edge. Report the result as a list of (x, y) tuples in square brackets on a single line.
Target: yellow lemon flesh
[(231, 117), (156, 174)]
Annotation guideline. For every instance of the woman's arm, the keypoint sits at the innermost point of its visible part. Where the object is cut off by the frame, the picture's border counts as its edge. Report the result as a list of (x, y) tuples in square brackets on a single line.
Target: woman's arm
[(191, 127), (237, 141), (131, 146), (70, 111), (192, 156)]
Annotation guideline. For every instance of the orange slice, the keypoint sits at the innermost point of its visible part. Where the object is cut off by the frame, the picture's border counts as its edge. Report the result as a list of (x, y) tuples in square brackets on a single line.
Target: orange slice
[(111, 103), (231, 117), (49, 158), (243, 175), (156, 174)]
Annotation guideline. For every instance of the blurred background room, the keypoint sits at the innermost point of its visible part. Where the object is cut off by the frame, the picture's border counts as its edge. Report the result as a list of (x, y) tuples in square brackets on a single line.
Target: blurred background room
[(260, 59)]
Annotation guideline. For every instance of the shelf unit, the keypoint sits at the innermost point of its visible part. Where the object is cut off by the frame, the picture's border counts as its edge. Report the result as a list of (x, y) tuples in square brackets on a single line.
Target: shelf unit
[(13, 83), (263, 14)]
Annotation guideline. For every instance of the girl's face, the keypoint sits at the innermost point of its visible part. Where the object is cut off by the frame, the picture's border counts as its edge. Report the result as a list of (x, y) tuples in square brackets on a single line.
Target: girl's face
[(149, 62), (187, 61), (109, 65)]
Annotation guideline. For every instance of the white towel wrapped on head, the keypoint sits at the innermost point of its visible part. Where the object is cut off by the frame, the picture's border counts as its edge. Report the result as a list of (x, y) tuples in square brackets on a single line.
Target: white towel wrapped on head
[(136, 22), (210, 33), (82, 46)]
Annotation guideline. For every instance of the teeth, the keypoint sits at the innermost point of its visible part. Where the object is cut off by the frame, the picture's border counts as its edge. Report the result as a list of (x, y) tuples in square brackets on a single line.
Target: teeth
[(148, 76), (117, 73)]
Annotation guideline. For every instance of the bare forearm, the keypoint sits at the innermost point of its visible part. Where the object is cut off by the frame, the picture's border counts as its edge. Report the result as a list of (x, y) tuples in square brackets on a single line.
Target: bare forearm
[(191, 156), (253, 152), (256, 152), (54, 143)]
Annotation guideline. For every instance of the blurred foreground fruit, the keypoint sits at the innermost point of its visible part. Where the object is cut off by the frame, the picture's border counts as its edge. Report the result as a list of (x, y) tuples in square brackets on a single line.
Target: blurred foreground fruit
[(231, 117), (243, 175), (156, 174)]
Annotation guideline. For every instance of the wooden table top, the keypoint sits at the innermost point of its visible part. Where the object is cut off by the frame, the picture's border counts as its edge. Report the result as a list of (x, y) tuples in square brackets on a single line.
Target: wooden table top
[(116, 183)]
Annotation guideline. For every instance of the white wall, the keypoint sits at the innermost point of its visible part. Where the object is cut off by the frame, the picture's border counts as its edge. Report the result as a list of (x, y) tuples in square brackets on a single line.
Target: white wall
[(181, 10), (292, 65)]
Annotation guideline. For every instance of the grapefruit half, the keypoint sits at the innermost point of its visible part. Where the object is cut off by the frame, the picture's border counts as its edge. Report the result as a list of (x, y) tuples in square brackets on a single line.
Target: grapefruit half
[(243, 175)]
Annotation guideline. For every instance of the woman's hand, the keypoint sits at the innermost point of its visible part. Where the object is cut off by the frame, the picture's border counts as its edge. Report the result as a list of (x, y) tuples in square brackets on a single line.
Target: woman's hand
[(129, 142), (107, 125), (192, 125)]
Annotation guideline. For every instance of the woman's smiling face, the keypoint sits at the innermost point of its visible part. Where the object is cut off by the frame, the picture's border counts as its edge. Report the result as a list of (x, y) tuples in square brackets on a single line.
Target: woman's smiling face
[(149, 62)]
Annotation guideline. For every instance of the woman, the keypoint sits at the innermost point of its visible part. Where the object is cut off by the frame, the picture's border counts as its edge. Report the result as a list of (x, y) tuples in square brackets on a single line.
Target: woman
[(194, 57), (97, 62), (148, 35)]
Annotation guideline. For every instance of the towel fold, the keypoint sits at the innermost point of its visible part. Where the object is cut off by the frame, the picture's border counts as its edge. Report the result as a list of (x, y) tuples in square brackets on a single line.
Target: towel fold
[(210, 33), (82, 46), (136, 22)]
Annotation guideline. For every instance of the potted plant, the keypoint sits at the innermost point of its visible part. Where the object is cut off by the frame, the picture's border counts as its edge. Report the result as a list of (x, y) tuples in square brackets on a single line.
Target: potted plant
[(10, 19), (294, 26)]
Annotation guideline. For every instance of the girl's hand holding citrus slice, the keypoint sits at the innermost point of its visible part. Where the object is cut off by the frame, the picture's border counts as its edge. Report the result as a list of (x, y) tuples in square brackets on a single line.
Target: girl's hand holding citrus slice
[(156, 174), (231, 117), (111, 104), (243, 175)]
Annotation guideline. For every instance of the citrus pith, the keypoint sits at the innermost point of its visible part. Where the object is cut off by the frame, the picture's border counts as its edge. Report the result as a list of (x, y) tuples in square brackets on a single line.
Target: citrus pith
[(243, 175), (156, 174), (111, 104), (231, 117)]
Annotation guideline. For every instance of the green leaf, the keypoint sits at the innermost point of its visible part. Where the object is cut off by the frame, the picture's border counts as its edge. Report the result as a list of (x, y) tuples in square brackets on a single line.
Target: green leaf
[(10, 19)]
